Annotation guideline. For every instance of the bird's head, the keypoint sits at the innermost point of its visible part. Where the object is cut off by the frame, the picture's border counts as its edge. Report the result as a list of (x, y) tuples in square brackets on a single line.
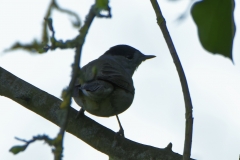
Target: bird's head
[(127, 56)]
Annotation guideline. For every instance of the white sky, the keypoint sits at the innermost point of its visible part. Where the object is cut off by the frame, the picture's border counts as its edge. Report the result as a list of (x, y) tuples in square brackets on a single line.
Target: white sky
[(156, 116)]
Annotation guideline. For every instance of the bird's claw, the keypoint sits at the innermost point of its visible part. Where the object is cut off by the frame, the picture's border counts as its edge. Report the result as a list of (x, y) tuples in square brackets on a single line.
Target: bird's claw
[(118, 135), (120, 132), (80, 113)]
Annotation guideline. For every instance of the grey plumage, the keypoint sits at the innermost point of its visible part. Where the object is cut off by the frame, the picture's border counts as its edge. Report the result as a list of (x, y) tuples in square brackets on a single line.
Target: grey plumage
[(105, 86)]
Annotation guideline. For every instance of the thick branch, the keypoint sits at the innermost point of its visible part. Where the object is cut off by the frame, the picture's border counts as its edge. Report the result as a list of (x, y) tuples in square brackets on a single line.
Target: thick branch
[(96, 135), (187, 99)]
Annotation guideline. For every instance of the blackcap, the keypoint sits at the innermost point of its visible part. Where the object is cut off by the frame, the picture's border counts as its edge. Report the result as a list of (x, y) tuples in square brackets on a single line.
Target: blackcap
[(105, 87)]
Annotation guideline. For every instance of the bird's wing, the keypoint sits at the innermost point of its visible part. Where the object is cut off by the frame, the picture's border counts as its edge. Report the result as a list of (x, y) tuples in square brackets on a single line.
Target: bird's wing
[(97, 89), (91, 87), (114, 75)]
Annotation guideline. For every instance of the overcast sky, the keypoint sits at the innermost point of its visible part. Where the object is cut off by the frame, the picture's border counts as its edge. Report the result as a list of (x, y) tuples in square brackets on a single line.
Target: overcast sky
[(156, 116)]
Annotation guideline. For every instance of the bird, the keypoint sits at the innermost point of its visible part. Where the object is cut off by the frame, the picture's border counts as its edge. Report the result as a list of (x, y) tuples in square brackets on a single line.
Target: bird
[(104, 86)]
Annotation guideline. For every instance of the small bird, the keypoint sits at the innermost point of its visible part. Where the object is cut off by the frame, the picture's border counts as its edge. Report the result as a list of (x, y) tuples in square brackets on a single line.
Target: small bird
[(104, 86)]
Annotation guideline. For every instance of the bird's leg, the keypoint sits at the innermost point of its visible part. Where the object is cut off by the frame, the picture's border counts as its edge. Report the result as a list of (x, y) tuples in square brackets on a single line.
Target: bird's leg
[(118, 134), (121, 131), (80, 113)]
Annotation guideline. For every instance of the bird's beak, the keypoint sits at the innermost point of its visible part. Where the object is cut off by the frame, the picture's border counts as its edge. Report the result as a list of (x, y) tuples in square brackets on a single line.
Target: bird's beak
[(148, 57)]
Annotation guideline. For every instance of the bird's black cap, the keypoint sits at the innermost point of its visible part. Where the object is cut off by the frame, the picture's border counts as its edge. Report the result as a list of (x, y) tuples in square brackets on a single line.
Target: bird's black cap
[(121, 50)]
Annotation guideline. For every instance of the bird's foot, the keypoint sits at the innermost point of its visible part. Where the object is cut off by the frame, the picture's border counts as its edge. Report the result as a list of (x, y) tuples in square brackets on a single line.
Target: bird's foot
[(80, 113), (118, 135), (120, 132)]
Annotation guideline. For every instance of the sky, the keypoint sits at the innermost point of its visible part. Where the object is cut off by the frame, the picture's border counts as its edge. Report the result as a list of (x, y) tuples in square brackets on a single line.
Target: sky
[(157, 114)]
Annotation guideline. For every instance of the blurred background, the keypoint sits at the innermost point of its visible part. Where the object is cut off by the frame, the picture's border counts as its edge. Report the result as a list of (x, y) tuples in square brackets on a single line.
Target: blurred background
[(157, 115)]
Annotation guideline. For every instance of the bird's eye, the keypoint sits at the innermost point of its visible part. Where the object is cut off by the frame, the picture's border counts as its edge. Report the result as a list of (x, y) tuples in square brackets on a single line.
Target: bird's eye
[(129, 57)]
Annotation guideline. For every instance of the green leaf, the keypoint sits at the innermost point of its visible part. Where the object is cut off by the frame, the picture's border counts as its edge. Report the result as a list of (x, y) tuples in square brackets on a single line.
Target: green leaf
[(102, 4), (17, 149), (215, 23)]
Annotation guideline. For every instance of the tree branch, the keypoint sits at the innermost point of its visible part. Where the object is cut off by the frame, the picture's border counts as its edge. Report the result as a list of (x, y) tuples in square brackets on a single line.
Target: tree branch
[(86, 129), (187, 99)]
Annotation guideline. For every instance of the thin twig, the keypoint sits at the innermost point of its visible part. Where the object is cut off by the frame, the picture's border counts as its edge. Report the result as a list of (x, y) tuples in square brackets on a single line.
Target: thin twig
[(75, 69), (77, 23), (187, 99)]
